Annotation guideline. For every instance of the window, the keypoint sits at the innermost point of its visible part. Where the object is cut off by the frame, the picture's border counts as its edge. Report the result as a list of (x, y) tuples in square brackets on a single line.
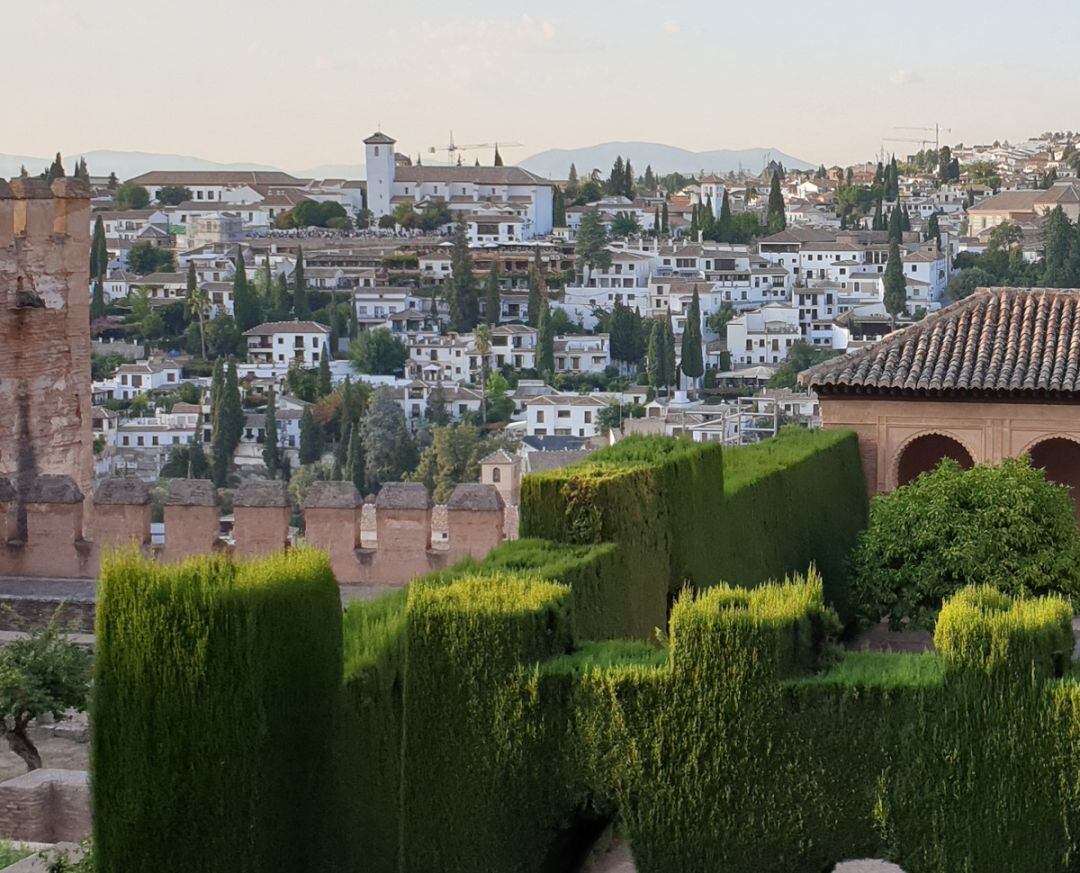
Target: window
[(563, 413), (496, 475), (376, 151), (539, 415), (588, 417)]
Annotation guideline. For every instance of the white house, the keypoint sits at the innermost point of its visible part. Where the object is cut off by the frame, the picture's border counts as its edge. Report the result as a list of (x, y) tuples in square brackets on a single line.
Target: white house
[(219, 186), (282, 343), (763, 336), (142, 377), (563, 415)]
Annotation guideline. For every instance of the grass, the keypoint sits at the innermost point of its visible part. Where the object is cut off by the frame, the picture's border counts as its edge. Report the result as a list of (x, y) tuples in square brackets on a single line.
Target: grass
[(607, 655), (9, 853), (883, 670)]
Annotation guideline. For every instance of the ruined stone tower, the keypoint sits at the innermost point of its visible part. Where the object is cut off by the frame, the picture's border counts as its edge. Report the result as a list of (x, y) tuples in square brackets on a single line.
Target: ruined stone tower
[(45, 418)]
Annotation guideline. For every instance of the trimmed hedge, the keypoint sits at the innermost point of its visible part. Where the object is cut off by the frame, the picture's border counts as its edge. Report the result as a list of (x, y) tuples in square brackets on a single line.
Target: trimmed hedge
[(215, 687)]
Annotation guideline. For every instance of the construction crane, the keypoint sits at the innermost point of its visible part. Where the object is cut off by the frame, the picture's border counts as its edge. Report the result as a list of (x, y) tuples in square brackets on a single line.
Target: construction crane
[(937, 130), (452, 148)]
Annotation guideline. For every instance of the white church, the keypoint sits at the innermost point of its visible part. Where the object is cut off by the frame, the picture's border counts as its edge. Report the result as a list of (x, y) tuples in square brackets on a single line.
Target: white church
[(500, 204)]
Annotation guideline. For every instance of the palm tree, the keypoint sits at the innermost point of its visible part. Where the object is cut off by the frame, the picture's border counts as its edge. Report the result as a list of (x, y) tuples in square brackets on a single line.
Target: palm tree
[(482, 341), (197, 304)]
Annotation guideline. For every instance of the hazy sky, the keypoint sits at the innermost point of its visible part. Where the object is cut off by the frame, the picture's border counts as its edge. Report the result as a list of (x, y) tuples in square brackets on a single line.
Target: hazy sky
[(297, 84)]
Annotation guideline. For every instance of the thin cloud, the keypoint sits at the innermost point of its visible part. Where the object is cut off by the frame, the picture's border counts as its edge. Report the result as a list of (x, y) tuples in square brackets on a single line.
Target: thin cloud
[(901, 77)]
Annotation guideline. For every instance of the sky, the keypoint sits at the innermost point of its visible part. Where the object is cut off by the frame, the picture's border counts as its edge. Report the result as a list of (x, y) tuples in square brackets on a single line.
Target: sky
[(301, 84)]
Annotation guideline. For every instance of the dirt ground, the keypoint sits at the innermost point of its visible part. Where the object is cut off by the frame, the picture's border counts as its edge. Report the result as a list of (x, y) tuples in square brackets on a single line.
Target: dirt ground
[(64, 746)]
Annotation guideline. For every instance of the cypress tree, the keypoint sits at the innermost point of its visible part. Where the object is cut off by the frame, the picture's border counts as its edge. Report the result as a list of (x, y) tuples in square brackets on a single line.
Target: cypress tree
[(310, 438), (341, 451), (654, 357), (723, 223), (905, 220), (498, 157), (707, 223), (300, 297), (280, 300), (322, 383), (99, 253), (354, 470), (776, 215), (933, 231), (895, 294), (670, 371), (896, 224), (628, 183), (693, 364), (617, 178), (232, 407), (462, 296), (492, 297), (217, 383), (55, 171), (664, 217), (271, 452), (656, 221), (97, 301), (546, 340), (245, 306), (878, 222), (536, 299), (558, 208)]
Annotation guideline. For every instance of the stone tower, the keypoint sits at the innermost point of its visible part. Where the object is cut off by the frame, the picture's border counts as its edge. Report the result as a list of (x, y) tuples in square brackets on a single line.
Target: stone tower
[(379, 169), (45, 418)]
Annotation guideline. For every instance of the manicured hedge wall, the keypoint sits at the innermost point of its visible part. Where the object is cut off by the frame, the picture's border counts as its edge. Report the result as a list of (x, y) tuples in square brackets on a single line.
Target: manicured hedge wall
[(214, 697)]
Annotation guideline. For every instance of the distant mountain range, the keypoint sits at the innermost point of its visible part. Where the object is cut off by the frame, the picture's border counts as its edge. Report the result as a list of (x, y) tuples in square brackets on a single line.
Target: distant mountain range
[(552, 164), (101, 162), (555, 163)]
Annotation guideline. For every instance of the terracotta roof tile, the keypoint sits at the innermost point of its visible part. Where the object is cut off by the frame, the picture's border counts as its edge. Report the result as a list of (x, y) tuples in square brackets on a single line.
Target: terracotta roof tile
[(1000, 341)]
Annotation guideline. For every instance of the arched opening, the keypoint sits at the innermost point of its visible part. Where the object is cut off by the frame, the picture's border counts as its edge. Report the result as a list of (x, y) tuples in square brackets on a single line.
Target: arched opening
[(1060, 458), (924, 453)]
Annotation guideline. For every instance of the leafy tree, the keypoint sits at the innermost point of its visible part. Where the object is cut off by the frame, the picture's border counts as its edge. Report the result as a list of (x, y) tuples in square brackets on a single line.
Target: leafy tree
[(310, 438), (591, 243), (545, 340), (492, 296), (964, 282), (437, 413), (625, 224), (719, 317), (223, 337), (389, 448), (895, 294), (271, 453), (1003, 526), (1005, 236), (41, 674), (378, 353), (300, 295), (187, 462), (452, 458), (99, 252), (461, 290), (776, 214), (145, 258), (693, 363), (173, 195), (310, 213), (113, 182), (245, 301), (322, 383), (132, 196), (500, 404)]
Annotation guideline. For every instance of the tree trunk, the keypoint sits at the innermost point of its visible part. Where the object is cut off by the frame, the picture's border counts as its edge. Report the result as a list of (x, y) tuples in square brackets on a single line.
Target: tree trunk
[(22, 746)]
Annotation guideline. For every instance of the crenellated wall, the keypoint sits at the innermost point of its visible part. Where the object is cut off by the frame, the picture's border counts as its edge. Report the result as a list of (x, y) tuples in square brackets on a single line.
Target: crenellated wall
[(64, 540), (45, 423)]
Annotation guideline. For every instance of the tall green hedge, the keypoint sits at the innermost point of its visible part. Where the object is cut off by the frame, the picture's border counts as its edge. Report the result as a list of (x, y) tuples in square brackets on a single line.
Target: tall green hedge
[(214, 695)]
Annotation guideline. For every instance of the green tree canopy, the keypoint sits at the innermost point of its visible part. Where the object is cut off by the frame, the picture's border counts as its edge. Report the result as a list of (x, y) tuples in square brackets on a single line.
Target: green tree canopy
[(132, 196), (378, 352)]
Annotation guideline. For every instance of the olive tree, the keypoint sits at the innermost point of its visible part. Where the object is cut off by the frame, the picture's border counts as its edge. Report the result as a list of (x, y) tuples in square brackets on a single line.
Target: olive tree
[(42, 673)]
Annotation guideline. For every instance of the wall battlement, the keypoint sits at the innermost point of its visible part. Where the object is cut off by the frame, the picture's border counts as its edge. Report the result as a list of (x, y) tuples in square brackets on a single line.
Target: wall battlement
[(62, 539), (45, 427)]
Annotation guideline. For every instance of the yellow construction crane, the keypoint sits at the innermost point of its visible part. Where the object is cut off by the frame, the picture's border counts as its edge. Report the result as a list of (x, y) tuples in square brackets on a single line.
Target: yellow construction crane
[(452, 148)]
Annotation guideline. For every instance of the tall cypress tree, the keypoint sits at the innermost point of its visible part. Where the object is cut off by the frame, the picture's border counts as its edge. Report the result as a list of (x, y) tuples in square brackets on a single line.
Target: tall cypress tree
[(354, 469), (310, 438), (492, 297), (933, 231), (693, 364), (895, 294), (271, 452), (670, 371), (322, 382), (55, 171), (462, 296), (245, 305), (664, 218), (300, 297), (654, 356), (97, 301), (280, 300), (878, 222), (217, 383), (628, 180), (896, 224), (99, 253), (545, 340), (498, 157), (558, 208), (776, 215), (723, 223), (228, 424), (536, 299)]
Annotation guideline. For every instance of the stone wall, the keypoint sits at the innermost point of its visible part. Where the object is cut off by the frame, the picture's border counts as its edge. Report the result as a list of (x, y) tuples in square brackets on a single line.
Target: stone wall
[(61, 543), (46, 806), (45, 422)]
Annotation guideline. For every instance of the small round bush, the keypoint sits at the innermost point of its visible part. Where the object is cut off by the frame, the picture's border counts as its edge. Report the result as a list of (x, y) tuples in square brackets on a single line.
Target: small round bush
[(1005, 526)]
